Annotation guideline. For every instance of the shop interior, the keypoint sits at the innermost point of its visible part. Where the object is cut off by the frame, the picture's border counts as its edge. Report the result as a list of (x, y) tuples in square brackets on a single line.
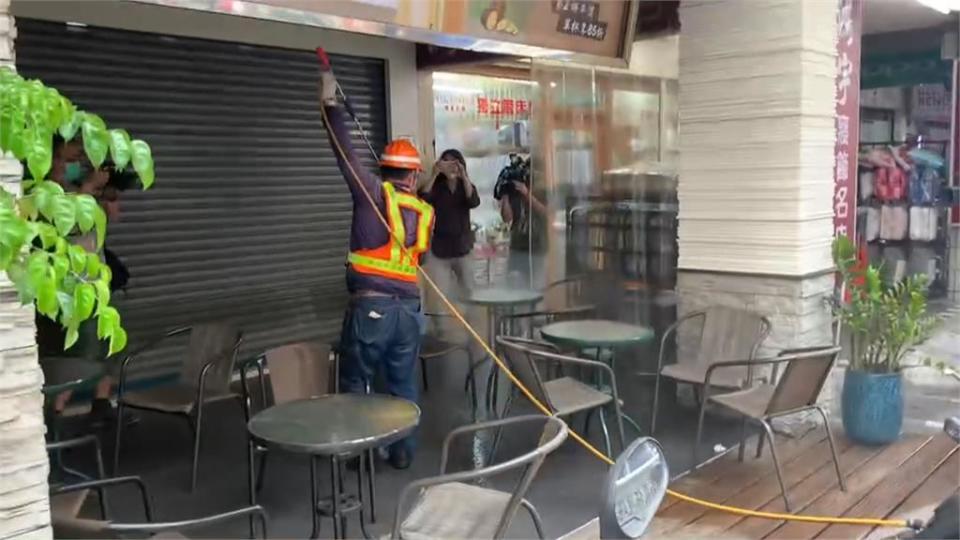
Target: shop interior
[(907, 170)]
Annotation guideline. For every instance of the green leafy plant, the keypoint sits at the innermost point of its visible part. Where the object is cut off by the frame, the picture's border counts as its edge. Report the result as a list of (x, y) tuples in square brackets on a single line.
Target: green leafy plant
[(884, 320), (66, 282)]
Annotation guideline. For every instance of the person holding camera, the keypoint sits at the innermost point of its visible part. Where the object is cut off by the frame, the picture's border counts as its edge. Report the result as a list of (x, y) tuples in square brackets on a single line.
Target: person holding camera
[(526, 216), (451, 193)]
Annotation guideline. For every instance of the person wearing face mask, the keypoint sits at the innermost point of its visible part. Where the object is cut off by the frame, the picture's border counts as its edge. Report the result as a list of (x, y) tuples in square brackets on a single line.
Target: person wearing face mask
[(71, 169), (384, 323), (452, 195)]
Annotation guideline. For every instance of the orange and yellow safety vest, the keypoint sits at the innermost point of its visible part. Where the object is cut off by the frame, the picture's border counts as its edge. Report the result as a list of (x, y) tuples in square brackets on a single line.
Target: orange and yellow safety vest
[(389, 260)]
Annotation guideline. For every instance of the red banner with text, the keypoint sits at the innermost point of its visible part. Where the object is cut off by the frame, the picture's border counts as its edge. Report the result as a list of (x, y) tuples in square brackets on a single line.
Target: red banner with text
[(849, 30)]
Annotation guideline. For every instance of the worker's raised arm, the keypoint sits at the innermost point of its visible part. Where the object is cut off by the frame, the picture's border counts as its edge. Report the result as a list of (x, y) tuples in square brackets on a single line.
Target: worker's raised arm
[(336, 122)]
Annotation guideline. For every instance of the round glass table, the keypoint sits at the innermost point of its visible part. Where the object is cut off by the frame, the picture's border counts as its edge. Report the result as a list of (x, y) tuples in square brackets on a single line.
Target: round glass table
[(598, 335), (500, 301), (595, 334), (334, 426)]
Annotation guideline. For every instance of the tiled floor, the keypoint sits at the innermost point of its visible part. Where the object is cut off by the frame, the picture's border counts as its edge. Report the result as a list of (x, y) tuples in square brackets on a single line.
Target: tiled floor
[(565, 492)]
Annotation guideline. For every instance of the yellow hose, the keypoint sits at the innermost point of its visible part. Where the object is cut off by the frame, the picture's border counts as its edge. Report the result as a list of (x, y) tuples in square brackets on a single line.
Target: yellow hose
[(876, 522)]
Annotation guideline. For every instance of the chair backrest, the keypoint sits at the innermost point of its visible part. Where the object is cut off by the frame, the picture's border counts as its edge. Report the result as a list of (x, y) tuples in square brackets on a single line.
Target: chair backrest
[(528, 324), (521, 356), (803, 378), (564, 293), (299, 371), (217, 343), (731, 334), (553, 434)]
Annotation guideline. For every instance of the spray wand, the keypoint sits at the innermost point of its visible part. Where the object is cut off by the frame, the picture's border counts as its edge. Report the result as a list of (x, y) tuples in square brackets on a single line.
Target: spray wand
[(347, 103)]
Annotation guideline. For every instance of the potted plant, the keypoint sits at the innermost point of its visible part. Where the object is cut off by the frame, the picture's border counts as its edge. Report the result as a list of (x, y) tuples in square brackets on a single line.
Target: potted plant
[(884, 322)]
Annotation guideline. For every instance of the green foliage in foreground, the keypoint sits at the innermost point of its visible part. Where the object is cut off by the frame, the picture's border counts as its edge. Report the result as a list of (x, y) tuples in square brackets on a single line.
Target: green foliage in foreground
[(66, 282)]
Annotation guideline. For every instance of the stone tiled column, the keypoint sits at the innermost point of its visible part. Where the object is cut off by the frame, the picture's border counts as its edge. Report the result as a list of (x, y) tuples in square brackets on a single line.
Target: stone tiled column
[(24, 502), (756, 162)]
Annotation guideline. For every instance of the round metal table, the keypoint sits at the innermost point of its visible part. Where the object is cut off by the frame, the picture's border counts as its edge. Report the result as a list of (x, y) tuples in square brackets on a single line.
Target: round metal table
[(599, 335), (500, 301), (595, 334), (334, 426)]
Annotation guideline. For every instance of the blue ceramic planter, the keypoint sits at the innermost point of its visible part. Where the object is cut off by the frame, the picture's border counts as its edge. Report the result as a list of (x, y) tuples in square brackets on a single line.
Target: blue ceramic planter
[(872, 406)]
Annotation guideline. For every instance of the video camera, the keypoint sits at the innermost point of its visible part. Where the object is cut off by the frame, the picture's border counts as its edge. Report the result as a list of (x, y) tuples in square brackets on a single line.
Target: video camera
[(518, 170)]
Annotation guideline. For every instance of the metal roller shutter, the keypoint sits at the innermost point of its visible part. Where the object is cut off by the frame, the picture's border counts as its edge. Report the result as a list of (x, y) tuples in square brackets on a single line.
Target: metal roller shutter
[(249, 218)]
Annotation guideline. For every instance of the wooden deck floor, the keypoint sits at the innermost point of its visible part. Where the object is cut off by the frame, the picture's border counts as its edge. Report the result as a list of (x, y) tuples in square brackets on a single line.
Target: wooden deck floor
[(904, 480)]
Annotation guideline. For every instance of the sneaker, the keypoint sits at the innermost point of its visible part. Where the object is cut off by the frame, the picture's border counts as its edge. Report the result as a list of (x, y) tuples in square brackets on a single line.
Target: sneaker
[(400, 459), (103, 414)]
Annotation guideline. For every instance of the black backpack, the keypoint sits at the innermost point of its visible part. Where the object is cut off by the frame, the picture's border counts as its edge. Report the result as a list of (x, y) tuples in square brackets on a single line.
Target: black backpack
[(119, 273)]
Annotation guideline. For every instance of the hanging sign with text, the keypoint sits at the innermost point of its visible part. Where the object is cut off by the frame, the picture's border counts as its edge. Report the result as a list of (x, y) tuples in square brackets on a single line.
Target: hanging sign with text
[(849, 27)]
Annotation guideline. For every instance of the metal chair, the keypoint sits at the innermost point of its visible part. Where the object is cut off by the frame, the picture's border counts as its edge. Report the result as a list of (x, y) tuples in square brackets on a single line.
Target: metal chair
[(451, 506), (796, 391), (71, 526), (297, 371), (435, 346), (528, 324), (726, 334), (564, 293), (68, 505), (204, 378), (564, 396)]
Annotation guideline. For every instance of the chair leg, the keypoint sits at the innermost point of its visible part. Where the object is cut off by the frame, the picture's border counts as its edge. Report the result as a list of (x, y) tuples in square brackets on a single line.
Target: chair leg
[(833, 448), (423, 375), (606, 432), (251, 484), (198, 430), (116, 442), (101, 474), (696, 447), (314, 498), (371, 485), (620, 433), (743, 439), (499, 432), (534, 516), (656, 402), (760, 446), (776, 463), (262, 470)]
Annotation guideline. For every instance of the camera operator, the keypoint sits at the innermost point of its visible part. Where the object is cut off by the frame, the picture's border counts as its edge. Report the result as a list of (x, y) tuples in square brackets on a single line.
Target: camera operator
[(527, 216)]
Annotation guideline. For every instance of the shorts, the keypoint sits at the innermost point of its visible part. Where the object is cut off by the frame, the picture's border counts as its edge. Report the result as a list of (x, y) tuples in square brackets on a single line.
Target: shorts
[(51, 336)]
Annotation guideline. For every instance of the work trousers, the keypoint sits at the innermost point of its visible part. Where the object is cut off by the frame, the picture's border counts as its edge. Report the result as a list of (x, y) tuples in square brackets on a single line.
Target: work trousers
[(382, 333)]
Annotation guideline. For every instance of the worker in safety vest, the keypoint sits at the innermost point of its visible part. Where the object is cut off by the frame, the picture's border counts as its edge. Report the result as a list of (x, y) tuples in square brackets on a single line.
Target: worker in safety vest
[(384, 322)]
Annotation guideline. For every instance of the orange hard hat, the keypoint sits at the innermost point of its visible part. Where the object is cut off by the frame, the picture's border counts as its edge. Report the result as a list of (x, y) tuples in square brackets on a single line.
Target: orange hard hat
[(401, 154)]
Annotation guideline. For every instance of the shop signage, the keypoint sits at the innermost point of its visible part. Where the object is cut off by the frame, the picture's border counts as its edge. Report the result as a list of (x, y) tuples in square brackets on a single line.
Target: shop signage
[(598, 31), (580, 19), (931, 102), (502, 107), (849, 27), (591, 27)]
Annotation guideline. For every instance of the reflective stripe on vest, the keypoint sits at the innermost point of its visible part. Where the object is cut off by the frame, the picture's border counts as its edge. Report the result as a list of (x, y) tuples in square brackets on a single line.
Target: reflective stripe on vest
[(389, 260)]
